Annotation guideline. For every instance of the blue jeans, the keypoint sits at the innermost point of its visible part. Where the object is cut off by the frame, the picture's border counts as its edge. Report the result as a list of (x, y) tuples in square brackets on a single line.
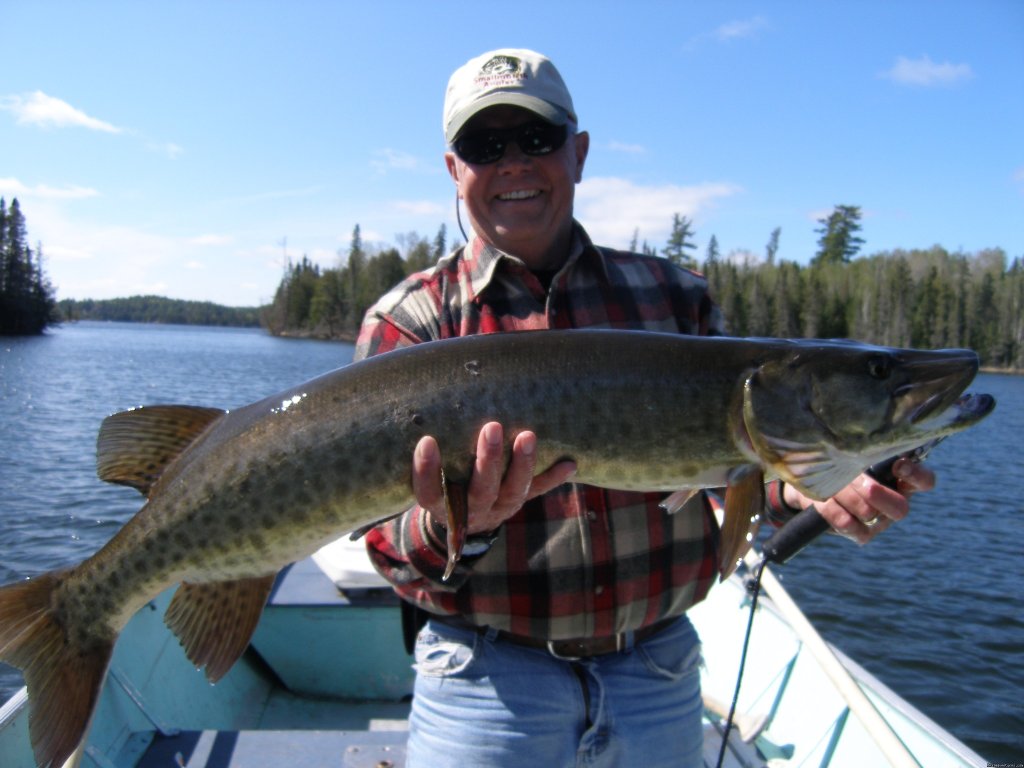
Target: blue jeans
[(485, 702)]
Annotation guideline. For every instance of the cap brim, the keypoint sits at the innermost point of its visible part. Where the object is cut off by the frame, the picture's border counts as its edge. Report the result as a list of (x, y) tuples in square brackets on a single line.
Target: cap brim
[(544, 109)]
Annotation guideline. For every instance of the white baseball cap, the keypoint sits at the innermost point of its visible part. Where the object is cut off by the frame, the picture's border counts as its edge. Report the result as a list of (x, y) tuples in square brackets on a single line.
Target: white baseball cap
[(514, 76)]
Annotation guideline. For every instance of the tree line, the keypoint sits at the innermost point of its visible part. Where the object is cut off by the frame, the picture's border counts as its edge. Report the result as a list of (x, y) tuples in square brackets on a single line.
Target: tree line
[(331, 302), (925, 298), (158, 309), (27, 303)]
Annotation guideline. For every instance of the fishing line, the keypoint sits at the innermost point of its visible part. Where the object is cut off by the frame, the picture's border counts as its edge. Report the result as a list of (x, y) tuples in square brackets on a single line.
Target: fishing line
[(754, 588), (458, 217), (788, 541)]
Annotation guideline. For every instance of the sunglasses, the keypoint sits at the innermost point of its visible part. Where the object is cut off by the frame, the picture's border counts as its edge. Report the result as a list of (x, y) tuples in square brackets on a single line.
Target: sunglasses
[(487, 145)]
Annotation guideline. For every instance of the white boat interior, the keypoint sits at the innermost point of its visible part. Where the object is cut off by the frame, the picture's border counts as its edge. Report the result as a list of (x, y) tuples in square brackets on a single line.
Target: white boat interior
[(327, 682)]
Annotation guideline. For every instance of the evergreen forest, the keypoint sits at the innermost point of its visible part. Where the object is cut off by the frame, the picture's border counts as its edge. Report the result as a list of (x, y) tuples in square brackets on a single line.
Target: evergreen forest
[(158, 309), (926, 298), (27, 303)]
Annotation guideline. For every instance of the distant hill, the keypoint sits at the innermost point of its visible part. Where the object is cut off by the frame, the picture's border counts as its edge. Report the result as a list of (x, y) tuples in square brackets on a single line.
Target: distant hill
[(158, 309)]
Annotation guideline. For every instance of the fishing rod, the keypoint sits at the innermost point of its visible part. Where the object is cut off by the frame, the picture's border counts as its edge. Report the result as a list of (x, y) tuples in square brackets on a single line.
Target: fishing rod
[(787, 542)]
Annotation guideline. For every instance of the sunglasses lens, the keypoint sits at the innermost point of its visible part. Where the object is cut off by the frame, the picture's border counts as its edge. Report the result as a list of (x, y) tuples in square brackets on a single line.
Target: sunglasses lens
[(488, 145), (480, 147), (541, 138)]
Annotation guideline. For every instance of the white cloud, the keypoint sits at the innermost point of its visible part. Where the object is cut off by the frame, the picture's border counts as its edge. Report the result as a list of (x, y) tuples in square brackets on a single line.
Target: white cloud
[(725, 33), (394, 160), (11, 187), (169, 148), (925, 72), (420, 207), (629, 149), (612, 209), (49, 112), (734, 30), (210, 240)]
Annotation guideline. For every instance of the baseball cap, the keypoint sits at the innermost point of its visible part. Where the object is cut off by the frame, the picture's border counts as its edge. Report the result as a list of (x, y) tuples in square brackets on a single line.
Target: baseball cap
[(514, 76)]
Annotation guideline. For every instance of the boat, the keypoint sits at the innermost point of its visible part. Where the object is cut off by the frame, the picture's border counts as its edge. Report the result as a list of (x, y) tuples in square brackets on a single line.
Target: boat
[(327, 681)]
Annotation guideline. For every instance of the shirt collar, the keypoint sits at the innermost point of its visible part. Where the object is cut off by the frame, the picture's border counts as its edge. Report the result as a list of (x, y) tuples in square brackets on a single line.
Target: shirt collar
[(482, 261)]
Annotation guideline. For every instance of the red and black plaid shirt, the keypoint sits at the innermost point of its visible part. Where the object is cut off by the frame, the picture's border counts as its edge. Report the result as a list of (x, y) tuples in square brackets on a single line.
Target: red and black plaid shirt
[(580, 561)]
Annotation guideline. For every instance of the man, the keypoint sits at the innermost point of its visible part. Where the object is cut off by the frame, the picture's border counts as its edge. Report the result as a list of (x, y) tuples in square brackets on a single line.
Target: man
[(561, 636)]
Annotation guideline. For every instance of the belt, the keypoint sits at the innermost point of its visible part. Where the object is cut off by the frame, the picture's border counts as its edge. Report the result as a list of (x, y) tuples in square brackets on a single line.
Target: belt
[(570, 649)]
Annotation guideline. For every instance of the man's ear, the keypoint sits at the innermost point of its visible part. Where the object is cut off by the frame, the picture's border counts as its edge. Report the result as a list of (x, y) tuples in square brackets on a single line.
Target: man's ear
[(453, 170), (582, 147)]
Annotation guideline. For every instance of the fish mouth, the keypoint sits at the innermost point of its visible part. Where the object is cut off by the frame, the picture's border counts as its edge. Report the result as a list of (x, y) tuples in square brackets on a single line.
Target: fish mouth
[(939, 393), (963, 412)]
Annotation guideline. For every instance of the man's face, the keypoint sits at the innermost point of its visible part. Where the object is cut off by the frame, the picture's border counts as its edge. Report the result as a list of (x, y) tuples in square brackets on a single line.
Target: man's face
[(521, 204)]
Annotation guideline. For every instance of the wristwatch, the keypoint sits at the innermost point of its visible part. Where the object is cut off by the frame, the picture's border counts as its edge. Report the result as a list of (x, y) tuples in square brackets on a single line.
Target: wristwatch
[(479, 544), (475, 545)]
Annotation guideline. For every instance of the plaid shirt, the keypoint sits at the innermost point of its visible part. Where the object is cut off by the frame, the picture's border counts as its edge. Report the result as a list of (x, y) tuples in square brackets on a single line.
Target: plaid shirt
[(579, 561)]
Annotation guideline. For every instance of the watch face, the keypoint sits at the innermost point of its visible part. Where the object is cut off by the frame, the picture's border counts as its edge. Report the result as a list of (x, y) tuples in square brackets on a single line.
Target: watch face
[(477, 545)]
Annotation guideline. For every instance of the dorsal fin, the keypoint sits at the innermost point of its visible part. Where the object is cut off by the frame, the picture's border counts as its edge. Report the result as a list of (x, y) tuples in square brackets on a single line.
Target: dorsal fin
[(134, 447), (215, 620)]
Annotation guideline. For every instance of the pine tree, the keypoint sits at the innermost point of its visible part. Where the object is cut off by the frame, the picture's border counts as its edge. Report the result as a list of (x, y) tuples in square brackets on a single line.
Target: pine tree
[(712, 256), (839, 242), (27, 303), (440, 244), (679, 241), (773, 246)]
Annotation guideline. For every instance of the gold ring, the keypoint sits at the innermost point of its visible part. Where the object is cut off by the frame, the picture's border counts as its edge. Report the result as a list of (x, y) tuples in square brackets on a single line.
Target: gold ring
[(873, 521)]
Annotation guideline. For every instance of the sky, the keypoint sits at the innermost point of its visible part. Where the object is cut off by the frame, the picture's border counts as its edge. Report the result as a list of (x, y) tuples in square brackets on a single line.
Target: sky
[(190, 149)]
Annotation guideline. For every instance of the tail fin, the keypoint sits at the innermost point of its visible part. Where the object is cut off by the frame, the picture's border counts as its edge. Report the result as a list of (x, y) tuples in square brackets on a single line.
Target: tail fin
[(63, 680)]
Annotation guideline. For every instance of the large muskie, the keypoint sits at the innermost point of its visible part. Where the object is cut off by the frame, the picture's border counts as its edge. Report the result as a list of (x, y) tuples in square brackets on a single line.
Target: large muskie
[(233, 497)]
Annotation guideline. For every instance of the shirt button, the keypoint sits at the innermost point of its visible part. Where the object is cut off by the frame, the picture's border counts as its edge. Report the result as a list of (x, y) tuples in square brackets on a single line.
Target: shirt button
[(599, 590), (591, 515)]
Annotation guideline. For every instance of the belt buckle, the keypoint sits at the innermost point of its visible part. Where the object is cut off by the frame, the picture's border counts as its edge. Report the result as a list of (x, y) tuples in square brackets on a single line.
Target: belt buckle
[(557, 655), (620, 646)]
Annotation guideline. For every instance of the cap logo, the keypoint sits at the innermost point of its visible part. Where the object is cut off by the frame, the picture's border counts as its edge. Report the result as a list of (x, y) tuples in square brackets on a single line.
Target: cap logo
[(500, 70)]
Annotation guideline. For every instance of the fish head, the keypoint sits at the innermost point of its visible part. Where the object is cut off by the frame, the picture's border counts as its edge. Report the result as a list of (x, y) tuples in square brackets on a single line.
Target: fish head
[(823, 412)]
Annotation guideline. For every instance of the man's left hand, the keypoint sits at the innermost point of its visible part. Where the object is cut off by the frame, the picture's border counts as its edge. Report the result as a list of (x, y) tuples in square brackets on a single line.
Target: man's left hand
[(866, 507)]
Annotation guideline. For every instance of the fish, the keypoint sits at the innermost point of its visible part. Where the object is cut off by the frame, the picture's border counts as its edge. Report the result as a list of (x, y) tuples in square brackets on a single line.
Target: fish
[(234, 496)]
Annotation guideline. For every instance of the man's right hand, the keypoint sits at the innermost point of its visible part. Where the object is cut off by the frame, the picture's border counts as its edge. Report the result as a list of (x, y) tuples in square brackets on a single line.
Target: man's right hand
[(495, 494)]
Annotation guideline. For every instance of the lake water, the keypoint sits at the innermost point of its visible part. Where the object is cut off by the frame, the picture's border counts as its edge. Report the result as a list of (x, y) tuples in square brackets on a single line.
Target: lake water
[(934, 607)]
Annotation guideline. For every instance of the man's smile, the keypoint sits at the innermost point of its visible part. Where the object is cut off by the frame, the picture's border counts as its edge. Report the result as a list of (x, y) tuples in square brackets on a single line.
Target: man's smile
[(521, 194)]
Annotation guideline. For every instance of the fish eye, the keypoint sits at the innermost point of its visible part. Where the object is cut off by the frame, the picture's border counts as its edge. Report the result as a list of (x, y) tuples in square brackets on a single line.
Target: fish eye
[(879, 367)]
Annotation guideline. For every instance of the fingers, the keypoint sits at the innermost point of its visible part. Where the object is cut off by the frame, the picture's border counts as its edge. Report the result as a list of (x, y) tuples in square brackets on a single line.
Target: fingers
[(495, 492), (426, 476), (866, 507), (913, 476), (490, 487)]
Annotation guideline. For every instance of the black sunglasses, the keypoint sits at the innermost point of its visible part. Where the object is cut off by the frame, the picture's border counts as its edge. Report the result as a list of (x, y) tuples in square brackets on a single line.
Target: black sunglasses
[(487, 145)]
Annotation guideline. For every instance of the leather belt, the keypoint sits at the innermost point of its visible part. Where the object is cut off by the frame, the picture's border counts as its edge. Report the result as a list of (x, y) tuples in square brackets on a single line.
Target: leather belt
[(570, 649)]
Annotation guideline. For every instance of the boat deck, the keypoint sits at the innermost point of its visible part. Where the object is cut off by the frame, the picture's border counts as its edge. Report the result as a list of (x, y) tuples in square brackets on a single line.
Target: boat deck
[(302, 720), (327, 682)]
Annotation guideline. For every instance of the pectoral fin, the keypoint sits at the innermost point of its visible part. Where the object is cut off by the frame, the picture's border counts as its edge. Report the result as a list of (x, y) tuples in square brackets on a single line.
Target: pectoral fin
[(676, 501), (744, 501), (814, 470), (456, 506), (214, 621)]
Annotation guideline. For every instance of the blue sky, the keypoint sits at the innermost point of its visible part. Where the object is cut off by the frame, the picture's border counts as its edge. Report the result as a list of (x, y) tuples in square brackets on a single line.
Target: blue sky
[(184, 148)]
